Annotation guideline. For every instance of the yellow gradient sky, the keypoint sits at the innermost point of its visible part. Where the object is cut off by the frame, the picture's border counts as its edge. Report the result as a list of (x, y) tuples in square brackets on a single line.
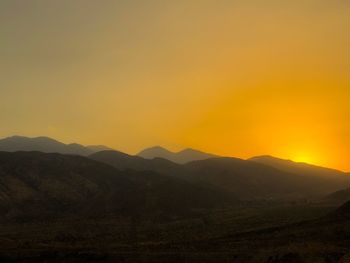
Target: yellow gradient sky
[(233, 77)]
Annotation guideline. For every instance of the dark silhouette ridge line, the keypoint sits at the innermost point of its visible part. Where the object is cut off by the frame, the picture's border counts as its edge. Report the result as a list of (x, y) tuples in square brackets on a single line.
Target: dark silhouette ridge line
[(295, 162), (49, 145), (248, 180), (290, 165)]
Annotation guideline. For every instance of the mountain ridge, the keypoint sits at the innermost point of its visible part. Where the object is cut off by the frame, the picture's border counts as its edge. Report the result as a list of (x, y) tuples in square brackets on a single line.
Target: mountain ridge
[(123, 161), (184, 156), (246, 179), (295, 167), (46, 144)]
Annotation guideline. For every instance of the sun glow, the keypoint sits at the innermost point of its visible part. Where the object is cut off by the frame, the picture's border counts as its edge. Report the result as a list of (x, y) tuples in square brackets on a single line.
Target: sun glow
[(239, 78), (305, 158)]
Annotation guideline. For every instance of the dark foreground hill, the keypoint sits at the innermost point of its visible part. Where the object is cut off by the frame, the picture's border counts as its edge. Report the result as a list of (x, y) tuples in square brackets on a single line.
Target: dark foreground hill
[(47, 145), (342, 213), (338, 197), (247, 180), (123, 161), (325, 239), (39, 185), (104, 214), (242, 234), (253, 180)]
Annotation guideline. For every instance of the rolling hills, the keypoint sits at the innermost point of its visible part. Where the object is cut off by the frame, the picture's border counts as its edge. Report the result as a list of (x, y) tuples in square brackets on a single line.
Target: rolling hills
[(248, 180), (37, 185), (253, 180), (113, 206)]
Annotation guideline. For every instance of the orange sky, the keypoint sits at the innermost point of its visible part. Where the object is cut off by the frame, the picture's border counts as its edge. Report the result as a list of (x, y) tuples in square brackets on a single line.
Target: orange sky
[(239, 78)]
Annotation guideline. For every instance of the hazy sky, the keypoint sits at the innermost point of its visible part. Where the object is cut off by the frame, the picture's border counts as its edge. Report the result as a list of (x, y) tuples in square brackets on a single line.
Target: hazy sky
[(233, 77)]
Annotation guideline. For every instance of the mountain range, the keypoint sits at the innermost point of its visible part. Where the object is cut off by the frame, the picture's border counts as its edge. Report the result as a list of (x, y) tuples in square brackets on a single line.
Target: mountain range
[(59, 201), (246, 179), (259, 178), (47, 145)]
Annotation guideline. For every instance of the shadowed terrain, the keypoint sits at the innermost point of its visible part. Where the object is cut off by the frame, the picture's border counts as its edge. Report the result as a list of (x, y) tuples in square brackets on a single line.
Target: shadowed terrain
[(248, 180), (114, 207), (124, 161), (38, 185)]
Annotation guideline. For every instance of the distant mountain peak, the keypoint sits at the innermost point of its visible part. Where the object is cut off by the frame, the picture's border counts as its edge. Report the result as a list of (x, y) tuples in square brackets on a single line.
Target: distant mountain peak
[(43, 144), (183, 156), (157, 148), (19, 138), (189, 150), (41, 137)]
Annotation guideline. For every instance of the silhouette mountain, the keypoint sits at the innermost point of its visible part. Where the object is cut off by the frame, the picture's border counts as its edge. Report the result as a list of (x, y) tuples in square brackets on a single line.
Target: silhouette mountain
[(125, 206), (154, 152), (123, 161), (184, 156), (45, 144), (36, 185), (245, 179), (298, 168), (250, 180)]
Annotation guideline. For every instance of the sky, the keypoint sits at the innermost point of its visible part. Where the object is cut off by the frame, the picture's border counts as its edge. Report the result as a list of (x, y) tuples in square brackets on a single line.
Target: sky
[(232, 77)]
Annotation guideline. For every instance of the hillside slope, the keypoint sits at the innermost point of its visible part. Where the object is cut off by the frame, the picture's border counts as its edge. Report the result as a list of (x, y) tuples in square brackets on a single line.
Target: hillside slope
[(247, 180), (123, 161), (253, 180), (40, 185)]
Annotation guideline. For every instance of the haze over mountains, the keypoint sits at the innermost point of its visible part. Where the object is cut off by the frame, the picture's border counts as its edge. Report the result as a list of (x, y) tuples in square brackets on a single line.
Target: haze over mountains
[(49, 145), (184, 156), (46, 144), (259, 178)]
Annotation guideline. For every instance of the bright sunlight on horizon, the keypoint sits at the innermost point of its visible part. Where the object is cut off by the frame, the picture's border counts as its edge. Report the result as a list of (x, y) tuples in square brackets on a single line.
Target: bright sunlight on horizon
[(234, 78)]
